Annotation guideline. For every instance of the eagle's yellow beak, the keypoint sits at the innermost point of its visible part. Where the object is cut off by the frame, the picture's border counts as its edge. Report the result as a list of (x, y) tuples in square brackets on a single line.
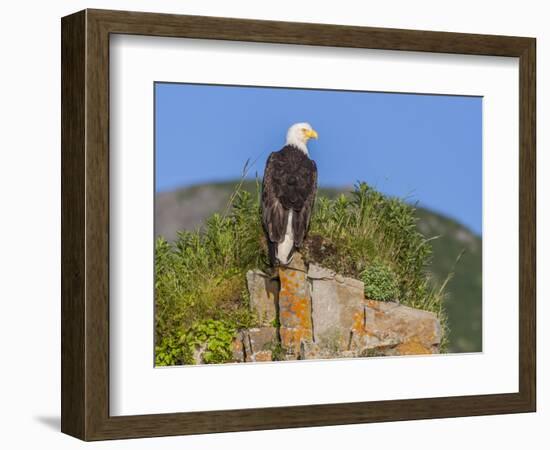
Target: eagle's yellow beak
[(311, 134)]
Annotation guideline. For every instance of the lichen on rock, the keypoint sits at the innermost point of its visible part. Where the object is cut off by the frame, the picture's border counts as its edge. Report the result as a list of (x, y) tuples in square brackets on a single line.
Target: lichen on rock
[(294, 307)]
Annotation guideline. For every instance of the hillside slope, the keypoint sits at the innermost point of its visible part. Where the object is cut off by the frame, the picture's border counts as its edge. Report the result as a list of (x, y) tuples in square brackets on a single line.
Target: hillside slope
[(187, 208)]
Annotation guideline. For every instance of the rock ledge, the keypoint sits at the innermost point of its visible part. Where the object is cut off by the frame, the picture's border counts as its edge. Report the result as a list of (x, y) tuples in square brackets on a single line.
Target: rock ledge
[(314, 313)]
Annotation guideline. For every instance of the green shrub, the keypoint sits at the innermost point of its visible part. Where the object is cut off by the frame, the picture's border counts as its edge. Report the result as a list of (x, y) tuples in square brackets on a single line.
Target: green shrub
[(380, 283), (172, 351), (215, 337)]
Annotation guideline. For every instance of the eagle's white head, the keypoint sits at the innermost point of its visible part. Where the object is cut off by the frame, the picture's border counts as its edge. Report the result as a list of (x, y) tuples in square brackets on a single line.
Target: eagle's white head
[(298, 135)]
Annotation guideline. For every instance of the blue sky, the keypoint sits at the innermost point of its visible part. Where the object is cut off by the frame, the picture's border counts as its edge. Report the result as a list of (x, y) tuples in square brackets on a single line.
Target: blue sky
[(425, 148)]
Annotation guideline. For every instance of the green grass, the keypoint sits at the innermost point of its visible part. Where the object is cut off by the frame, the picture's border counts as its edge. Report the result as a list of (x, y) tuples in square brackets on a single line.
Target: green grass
[(200, 277)]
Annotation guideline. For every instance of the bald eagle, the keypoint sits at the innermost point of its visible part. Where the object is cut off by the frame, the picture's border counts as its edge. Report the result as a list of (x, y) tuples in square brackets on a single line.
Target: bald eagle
[(288, 193)]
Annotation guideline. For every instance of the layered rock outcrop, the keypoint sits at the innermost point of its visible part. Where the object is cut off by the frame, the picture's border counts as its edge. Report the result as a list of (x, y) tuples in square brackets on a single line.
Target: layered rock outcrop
[(310, 312)]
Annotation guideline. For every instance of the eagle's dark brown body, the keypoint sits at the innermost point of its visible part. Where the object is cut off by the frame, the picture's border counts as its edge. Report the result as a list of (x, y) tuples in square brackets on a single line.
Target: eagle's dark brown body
[(290, 183)]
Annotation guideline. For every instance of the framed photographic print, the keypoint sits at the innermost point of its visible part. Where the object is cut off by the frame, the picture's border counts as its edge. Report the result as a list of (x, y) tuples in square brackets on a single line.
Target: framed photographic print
[(271, 224)]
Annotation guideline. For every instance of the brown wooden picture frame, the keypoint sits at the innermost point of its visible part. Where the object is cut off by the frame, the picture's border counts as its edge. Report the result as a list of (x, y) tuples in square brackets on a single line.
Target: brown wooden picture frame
[(85, 224)]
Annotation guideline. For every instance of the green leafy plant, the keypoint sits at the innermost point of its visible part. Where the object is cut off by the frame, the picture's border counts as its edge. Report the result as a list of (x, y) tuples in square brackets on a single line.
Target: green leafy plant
[(171, 350), (214, 338), (381, 283)]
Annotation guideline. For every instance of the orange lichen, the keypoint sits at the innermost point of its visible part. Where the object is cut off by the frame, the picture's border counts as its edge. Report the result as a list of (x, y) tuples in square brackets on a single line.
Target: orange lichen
[(291, 338), (294, 309), (412, 347), (358, 323)]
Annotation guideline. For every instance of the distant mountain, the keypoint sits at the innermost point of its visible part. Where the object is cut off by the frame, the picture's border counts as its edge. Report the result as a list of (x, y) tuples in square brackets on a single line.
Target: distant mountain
[(187, 209)]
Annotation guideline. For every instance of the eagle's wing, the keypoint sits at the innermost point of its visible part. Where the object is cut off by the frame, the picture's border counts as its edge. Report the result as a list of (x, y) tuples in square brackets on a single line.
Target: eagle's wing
[(274, 215), (300, 219)]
